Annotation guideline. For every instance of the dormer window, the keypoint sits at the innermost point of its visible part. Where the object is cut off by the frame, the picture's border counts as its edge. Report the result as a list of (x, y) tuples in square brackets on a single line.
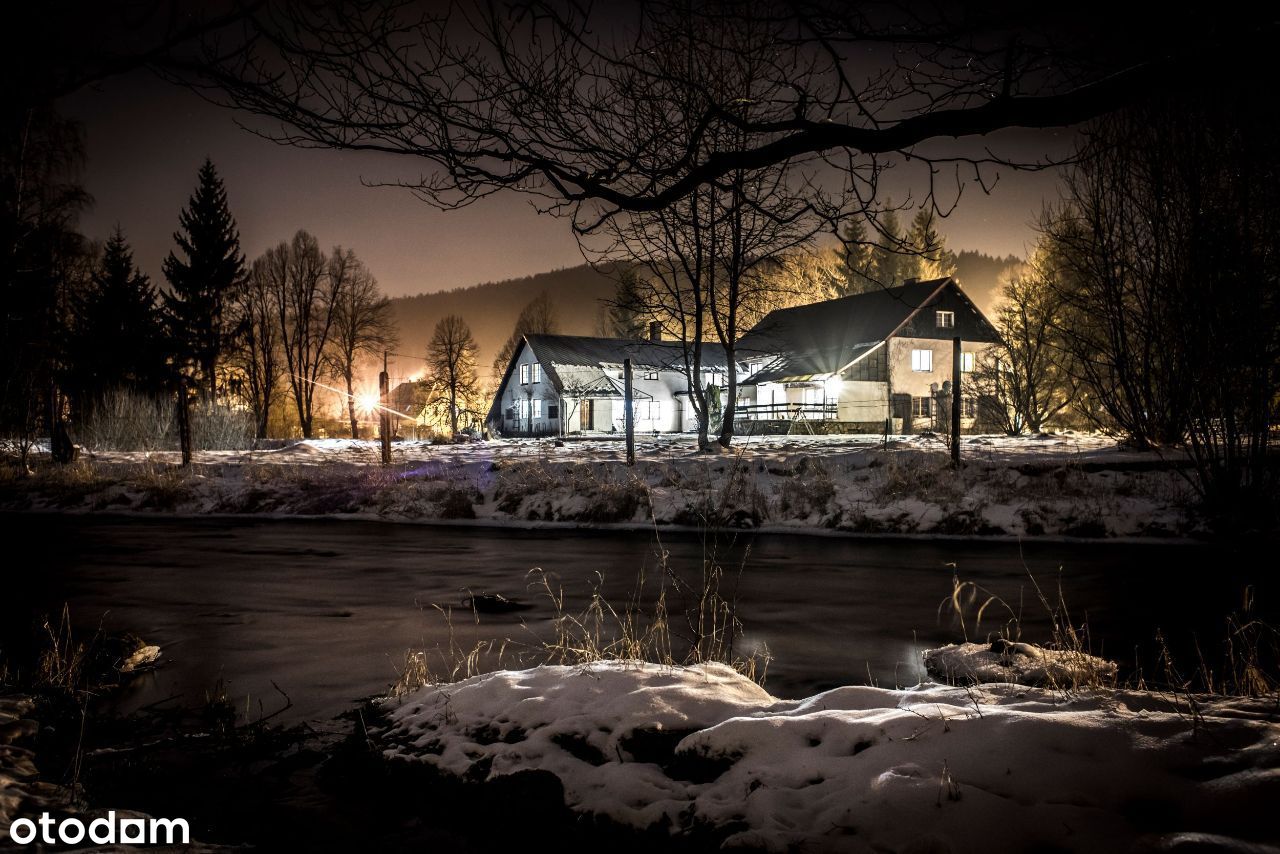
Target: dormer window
[(946, 319)]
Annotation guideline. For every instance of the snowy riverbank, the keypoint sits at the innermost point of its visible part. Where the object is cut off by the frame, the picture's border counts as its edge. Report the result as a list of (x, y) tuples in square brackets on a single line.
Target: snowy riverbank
[(705, 752), (1046, 486)]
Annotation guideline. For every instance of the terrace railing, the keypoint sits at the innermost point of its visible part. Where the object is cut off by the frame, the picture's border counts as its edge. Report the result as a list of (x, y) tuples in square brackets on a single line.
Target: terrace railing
[(787, 411)]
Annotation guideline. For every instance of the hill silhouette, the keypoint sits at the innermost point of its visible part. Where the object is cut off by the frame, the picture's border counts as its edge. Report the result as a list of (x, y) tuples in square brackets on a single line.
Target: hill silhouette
[(491, 309)]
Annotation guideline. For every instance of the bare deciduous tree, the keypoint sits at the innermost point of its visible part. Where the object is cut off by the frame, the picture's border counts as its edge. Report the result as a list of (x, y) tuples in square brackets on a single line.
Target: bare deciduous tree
[(494, 96), (1026, 380), (363, 323), (451, 354), (538, 317), (256, 317), (307, 305)]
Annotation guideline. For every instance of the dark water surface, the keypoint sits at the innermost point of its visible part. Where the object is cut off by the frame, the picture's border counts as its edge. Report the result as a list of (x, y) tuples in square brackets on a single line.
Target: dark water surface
[(327, 609)]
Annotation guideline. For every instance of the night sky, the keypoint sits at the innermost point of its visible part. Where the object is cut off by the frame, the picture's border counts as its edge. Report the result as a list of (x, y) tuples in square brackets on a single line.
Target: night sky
[(147, 138)]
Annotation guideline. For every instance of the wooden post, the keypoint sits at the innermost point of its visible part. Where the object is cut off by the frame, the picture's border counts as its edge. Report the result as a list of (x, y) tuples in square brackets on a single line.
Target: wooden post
[(184, 421), (628, 409), (955, 401), (886, 434), (384, 419)]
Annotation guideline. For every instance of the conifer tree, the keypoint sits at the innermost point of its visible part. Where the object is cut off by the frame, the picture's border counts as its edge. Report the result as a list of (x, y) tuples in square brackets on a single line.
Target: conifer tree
[(120, 335), (934, 259), (203, 279), (855, 258), (888, 262)]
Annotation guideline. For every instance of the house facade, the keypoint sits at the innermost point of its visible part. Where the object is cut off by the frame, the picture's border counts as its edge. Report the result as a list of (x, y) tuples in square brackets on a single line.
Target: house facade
[(855, 364), (559, 385)]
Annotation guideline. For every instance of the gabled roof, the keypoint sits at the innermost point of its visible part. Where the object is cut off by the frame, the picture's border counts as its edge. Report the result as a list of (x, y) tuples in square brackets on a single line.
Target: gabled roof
[(587, 352), (822, 338)]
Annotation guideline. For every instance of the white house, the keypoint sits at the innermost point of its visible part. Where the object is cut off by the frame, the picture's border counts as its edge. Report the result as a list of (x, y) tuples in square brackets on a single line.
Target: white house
[(562, 384)]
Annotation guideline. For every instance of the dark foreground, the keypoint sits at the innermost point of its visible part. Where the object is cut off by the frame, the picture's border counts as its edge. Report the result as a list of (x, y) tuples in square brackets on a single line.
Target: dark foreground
[(297, 621)]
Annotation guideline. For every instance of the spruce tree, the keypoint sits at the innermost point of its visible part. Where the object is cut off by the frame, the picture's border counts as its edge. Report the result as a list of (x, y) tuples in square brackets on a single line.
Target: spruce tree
[(203, 279), (934, 259), (120, 336), (855, 259), (888, 265)]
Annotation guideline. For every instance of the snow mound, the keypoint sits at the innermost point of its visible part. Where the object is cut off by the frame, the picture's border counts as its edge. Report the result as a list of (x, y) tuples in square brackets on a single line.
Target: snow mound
[(1023, 663), (703, 750)]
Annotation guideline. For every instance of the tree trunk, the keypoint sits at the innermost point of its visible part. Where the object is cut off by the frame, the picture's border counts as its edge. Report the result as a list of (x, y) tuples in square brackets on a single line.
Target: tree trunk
[(351, 409), (730, 405)]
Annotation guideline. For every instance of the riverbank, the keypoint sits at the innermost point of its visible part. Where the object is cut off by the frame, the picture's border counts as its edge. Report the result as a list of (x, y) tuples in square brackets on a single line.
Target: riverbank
[(1081, 487)]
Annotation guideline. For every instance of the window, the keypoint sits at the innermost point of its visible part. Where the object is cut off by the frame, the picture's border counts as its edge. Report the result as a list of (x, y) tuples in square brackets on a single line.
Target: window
[(969, 407), (649, 375), (526, 371), (553, 411), (946, 319), (650, 410), (522, 409), (921, 407), (537, 408), (536, 372), (966, 363), (922, 360)]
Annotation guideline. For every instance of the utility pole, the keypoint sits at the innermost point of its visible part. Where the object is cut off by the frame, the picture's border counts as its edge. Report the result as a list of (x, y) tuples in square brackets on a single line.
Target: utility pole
[(384, 415), (629, 409), (955, 402)]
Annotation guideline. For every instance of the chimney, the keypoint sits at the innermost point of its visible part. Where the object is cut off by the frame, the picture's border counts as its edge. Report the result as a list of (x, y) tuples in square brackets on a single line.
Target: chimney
[(655, 330)]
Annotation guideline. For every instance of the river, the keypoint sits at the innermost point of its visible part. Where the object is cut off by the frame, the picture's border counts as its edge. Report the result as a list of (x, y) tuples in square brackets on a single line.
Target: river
[(326, 610)]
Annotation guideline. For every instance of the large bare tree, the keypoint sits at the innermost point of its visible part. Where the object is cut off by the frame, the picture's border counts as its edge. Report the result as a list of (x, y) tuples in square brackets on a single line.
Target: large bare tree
[(363, 323), (256, 318), (307, 304), (526, 95), (451, 354)]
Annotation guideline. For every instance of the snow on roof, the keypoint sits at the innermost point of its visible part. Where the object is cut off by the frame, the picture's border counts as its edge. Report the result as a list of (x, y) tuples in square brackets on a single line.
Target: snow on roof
[(987, 768)]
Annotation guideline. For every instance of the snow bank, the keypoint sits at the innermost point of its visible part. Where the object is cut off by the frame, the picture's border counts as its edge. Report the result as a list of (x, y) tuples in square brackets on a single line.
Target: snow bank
[(933, 768), (1023, 663)]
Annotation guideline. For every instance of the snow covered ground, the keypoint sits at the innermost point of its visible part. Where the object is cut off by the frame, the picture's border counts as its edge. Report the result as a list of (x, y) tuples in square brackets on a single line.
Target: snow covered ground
[(704, 751), (1072, 485)]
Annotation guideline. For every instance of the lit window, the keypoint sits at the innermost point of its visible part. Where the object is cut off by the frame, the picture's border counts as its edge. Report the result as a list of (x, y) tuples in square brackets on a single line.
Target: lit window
[(522, 408), (535, 373), (537, 408), (922, 360), (525, 373), (946, 319), (650, 375), (655, 410), (966, 363)]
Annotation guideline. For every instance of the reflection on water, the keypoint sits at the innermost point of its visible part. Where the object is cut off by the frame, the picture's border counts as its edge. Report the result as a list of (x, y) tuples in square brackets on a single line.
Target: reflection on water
[(326, 610)]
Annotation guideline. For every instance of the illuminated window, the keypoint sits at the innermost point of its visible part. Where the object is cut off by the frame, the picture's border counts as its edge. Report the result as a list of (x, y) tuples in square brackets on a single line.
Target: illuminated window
[(536, 372), (537, 408), (922, 361), (946, 319), (650, 375), (526, 371), (966, 363)]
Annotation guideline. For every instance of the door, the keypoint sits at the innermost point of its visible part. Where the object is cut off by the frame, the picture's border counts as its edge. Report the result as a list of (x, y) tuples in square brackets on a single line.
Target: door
[(585, 407)]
